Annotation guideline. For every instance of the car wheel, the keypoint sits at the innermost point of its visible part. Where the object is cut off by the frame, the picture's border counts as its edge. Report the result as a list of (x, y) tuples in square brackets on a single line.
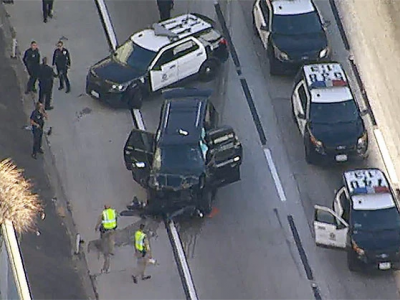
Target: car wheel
[(309, 156), (273, 66), (255, 30), (135, 98), (206, 202), (352, 263), (209, 69)]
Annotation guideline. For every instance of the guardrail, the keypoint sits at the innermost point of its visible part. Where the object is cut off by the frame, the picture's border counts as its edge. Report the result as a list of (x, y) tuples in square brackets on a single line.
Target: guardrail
[(13, 280)]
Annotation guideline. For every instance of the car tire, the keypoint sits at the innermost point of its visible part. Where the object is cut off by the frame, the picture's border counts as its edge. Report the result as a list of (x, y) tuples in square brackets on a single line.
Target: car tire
[(273, 66), (255, 30), (206, 202), (209, 69), (308, 155), (135, 97), (352, 263)]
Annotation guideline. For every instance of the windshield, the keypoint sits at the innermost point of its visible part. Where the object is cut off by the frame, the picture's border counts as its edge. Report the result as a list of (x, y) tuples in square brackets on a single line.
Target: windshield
[(375, 220), (178, 159), (134, 56), (297, 24), (338, 112)]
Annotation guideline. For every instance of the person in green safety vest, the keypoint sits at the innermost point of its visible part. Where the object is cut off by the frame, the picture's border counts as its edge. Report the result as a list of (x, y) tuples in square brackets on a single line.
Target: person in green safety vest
[(142, 252), (107, 223)]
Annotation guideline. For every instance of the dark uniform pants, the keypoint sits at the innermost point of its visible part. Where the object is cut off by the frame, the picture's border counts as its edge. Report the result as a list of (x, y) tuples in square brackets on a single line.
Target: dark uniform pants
[(45, 92), (47, 6), (164, 8), (63, 76), (37, 139), (33, 76)]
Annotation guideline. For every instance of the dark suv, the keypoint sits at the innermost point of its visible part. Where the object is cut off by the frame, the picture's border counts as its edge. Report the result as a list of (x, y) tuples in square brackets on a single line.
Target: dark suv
[(188, 158)]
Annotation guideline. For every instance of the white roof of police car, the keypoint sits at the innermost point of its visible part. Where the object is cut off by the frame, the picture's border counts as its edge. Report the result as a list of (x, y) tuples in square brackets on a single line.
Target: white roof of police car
[(149, 40), (327, 94), (371, 200), (292, 7)]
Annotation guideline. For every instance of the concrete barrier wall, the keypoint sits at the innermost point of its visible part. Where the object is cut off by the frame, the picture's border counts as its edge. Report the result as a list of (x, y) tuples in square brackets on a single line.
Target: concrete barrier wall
[(13, 280)]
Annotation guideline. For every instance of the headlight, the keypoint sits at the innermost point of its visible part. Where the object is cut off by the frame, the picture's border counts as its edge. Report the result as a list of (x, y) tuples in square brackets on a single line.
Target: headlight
[(119, 87), (358, 250), (323, 53), (280, 54)]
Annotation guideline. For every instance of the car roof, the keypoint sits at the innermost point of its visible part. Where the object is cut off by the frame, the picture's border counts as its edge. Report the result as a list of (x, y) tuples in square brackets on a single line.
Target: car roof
[(375, 196), (292, 7), (182, 120), (166, 32), (327, 82)]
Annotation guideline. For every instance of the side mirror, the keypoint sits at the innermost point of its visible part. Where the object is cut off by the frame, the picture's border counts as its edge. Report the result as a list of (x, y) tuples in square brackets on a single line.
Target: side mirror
[(364, 112), (263, 28), (301, 116), (326, 24)]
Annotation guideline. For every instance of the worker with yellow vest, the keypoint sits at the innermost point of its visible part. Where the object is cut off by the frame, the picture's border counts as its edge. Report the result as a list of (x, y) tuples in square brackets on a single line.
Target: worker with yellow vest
[(142, 252), (107, 223)]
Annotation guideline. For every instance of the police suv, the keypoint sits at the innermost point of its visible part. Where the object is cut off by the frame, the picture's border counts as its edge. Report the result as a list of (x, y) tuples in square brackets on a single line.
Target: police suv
[(188, 158), (327, 114), (365, 221), (292, 32), (155, 58)]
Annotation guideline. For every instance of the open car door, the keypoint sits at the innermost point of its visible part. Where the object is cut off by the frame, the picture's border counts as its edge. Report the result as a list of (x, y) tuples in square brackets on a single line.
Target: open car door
[(330, 229), (224, 156), (138, 155)]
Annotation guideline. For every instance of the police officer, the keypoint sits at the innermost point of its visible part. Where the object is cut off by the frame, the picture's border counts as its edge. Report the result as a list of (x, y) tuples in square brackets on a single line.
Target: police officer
[(46, 76), (164, 8), (142, 252), (107, 223), (62, 61), (47, 6), (32, 63), (37, 122)]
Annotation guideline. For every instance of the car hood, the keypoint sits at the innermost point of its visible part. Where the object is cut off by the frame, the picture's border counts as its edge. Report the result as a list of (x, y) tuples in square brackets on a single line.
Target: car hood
[(176, 182), (299, 46), (377, 240), (110, 70), (339, 134)]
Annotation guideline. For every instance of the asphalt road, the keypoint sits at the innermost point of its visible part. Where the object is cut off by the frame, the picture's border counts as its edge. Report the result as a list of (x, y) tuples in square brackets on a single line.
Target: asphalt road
[(247, 251)]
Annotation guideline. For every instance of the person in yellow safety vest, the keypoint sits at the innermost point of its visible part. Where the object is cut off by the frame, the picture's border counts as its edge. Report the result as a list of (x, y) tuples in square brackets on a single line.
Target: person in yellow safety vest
[(107, 223), (142, 251)]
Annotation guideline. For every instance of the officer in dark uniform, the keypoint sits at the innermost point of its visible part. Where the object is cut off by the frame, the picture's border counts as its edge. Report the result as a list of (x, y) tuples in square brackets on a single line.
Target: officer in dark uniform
[(46, 76), (47, 6), (62, 61), (164, 8), (37, 122), (32, 63)]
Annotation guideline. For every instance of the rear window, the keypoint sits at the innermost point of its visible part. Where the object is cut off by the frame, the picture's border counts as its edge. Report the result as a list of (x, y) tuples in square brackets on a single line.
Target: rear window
[(210, 35)]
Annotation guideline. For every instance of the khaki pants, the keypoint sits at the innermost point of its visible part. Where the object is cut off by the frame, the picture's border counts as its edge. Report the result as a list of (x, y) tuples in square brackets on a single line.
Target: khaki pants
[(108, 240), (141, 265)]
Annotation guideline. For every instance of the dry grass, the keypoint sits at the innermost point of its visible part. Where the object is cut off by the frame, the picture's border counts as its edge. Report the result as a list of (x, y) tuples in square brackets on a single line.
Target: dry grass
[(17, 202)]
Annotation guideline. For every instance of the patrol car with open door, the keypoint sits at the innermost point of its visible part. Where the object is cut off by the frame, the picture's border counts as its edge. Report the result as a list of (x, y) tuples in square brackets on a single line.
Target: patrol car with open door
[(292, 32), (188, 158), (327, 115), (157, 57), (365, 221)]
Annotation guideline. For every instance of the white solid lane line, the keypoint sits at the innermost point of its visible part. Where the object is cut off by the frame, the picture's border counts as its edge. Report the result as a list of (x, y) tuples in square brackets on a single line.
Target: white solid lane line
[(386, 156), (275, 175), (182, 258)]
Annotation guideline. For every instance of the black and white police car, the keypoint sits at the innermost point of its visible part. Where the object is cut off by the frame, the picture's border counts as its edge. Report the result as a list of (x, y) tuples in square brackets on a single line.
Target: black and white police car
[(365, 221), (152, 59), (327, 114), (292, 32)]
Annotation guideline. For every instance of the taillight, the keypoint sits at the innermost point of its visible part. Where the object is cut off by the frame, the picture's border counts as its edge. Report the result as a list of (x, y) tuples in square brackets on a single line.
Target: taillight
[(223, 42)]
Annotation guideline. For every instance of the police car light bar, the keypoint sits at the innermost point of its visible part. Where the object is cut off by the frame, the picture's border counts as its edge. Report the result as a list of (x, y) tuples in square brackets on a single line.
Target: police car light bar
[(328, 84), (371, 190)]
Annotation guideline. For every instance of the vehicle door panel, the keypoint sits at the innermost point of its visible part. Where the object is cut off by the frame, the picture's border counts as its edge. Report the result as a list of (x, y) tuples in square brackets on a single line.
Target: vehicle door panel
[(262, 19), (165, 70), (224, 156), (326, 228), (211, 118), (139, 152), (299, 99), (190, 56)]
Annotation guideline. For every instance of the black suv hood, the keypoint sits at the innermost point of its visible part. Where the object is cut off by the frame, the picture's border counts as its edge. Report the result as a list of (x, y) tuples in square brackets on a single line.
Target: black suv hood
[(110, 70), (339, 134), (298, 46), (383, 240)]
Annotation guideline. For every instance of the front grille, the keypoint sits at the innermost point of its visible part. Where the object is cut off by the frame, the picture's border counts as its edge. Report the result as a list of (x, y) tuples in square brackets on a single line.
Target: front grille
[(375, 256)]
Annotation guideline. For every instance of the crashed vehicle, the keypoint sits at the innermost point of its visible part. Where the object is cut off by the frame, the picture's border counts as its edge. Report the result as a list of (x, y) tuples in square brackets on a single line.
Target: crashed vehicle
[(184, 163)]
